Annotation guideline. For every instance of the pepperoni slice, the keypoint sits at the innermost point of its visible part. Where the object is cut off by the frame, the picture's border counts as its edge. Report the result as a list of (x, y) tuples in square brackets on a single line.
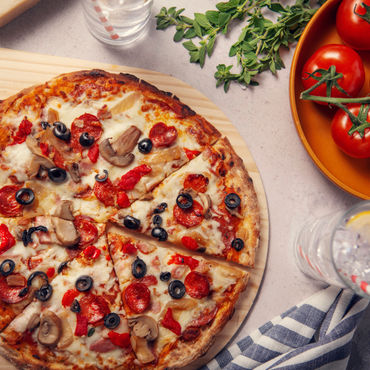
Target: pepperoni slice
[(10, 294), (85, 123), (69, 297), (189, 217), (190, 243), (88, 231), (94, 308), (196, 284), (149, 280), (81, 325), (137, 297), (6, 239), (93, 153), (162, 135), (105, 192), (8, 205), (197, 182)]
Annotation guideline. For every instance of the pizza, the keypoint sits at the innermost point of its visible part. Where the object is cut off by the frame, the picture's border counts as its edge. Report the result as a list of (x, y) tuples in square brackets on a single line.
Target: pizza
[(114, 196)]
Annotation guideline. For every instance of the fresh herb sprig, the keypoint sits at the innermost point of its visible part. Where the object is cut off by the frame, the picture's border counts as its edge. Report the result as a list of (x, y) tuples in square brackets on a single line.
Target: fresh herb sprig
[(258, 46)]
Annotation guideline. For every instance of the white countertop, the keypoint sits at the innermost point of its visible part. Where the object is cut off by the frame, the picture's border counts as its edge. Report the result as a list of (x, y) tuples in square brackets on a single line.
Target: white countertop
[(296, 190)]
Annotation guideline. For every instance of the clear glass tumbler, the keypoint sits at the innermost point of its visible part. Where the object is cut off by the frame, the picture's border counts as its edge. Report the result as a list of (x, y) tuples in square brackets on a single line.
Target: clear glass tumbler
[(336, 249), (117, 22)]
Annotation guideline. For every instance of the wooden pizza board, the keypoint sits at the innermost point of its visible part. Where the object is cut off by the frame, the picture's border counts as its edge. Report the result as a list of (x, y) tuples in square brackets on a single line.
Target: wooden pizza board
[(19, 69)]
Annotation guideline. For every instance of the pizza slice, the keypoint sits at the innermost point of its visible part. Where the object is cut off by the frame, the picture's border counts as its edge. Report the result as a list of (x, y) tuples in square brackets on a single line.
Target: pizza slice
[(175, 304), (103, 139), (208, 205), (79, 324)]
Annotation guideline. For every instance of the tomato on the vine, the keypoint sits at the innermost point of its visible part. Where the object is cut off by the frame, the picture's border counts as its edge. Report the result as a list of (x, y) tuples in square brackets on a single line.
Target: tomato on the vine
[(345, 60), (354, 145), (351, 24)]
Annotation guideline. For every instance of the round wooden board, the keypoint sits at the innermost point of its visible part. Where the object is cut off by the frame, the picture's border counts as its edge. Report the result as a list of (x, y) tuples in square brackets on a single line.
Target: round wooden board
[(16, 74)]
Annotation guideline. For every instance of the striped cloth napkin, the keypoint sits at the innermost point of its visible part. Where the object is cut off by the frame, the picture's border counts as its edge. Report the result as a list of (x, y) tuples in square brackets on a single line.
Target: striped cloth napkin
[(314, 334)]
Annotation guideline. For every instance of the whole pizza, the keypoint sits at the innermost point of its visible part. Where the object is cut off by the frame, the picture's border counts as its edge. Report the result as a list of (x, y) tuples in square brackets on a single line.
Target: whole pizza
[(126, 221)]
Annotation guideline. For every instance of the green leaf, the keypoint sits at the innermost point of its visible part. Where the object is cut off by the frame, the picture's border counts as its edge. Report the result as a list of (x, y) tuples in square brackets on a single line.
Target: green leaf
[(190, 33), (189, 45), (210, 45), (224, 7), (202, 55), (202, 20), (187, 20), (194, 56), (197, 29), (223, 19), (178, 35), (213, 17)]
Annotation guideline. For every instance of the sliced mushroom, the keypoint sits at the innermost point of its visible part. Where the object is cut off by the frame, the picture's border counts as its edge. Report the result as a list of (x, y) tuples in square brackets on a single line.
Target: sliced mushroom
[(38, 159), (66, 338), (34, 321), (53, 115), (119, 152), (207, 205), (144, 327), (65, 231), (127, 141), (141, 349), (50, 329), (65, 210), (74, 171)]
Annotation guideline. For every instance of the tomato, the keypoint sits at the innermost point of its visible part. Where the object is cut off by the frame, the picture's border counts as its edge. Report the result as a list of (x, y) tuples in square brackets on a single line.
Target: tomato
[(190, 243), (120, 340), (179, 259), (352, 28), (8, 205), (81, 325), (170, 323), (346, 61), (88, 231), (354, 145), (24, 130), (189, 217), (132, 177), (137, 297), (6, 239), (69, 296), (162, 135), (191, 154), (197, 285), (91, 252), (197, 182)]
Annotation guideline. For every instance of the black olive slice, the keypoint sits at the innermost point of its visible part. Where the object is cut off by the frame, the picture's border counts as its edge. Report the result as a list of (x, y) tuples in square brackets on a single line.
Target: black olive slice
[(131, 222), (7, 267), (86, 140), (36, 274), (138, 268), (44, 125), (100, 178), (232, 201), (157, 220), (184, 200), (112, 320), (57, 174), (23, 292), (161, 208), (62, 266), (61, 131), (237, 244), (44, 293), (84, 283), (91, 332), (25, 196), (145, 146), (75, 306), (165, 276), (176, 289), (27, 234), (160, 234)]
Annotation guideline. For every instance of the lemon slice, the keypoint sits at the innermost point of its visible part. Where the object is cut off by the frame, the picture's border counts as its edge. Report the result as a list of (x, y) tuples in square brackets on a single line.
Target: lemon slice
[(361, 224)]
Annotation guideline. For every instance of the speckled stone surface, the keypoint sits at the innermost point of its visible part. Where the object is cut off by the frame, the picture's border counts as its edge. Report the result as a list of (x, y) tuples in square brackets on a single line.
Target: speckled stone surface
[(296, 190)]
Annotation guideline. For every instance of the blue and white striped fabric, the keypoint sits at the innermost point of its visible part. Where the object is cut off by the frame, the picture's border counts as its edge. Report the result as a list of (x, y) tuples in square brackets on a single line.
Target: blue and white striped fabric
[(314, 334)]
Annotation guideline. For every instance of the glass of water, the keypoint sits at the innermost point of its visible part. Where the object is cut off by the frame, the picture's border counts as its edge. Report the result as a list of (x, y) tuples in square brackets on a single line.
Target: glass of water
[(117, 22), (336, 249)]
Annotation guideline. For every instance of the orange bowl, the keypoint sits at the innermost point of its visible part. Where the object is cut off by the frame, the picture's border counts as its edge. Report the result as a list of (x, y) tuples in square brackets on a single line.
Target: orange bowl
[(312, 120)]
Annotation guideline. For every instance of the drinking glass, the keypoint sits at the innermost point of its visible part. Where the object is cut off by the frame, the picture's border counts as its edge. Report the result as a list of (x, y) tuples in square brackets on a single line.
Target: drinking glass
[(336, 248), (117, 22)]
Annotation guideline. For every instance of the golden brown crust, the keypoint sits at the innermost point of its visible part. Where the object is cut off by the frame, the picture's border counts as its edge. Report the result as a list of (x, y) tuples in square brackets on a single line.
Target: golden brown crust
[(237, 178)]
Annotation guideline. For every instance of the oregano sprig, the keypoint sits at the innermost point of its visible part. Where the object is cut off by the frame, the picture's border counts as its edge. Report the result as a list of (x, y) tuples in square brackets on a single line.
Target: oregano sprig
[(258, 46)]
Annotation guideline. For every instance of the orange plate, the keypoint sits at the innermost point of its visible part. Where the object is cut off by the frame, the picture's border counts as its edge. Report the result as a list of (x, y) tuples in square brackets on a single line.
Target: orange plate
[(312, 120)]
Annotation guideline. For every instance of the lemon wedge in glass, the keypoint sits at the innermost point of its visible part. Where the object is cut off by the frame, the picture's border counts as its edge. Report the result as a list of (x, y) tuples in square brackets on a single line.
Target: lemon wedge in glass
[(361, 224)]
